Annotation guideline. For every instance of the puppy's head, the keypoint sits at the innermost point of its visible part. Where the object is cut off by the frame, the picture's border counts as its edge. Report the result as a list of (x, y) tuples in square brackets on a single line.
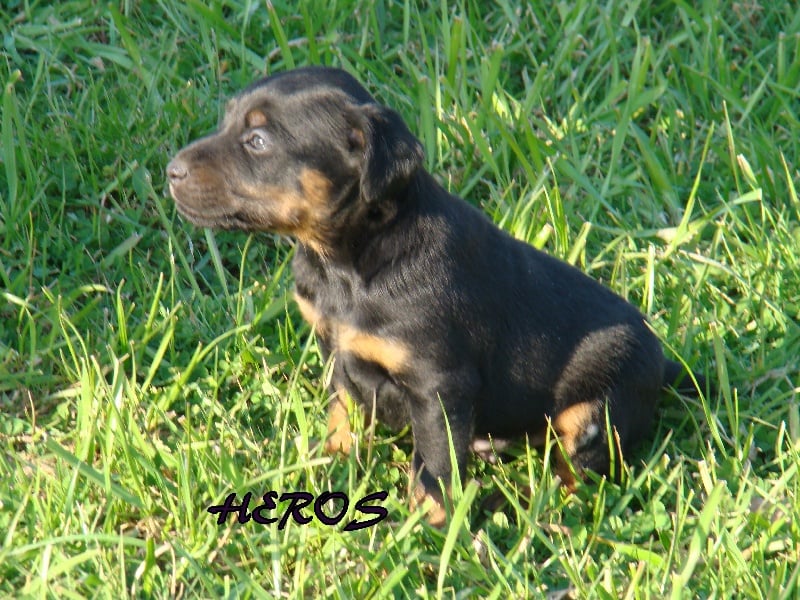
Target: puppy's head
[(306, 153)]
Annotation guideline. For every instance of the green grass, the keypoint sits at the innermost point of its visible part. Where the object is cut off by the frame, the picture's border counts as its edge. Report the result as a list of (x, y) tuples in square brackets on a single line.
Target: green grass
[(148, 368)]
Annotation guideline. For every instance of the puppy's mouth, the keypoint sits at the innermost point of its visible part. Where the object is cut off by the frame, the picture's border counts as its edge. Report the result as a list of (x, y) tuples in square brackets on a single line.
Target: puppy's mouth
[(203, 217), (272, 210)]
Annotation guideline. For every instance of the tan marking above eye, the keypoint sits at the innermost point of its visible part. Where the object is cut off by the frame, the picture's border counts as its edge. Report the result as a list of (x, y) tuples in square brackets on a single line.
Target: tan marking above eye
[(255, 118)]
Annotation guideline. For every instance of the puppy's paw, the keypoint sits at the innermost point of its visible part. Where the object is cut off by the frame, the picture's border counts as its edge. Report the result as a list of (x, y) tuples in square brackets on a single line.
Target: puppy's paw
[(435, 513), (339, 441)]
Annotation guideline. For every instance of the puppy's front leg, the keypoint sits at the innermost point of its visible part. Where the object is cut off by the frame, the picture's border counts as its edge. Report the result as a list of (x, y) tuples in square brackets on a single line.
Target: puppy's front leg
[(340, 438), (432, 413)]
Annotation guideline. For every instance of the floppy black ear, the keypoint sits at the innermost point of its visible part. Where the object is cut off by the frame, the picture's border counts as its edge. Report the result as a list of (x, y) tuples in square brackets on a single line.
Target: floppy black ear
[(391, 152)]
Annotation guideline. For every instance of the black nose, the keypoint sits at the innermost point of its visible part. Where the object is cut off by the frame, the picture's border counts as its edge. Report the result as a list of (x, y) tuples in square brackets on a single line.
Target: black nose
[(177, 170)]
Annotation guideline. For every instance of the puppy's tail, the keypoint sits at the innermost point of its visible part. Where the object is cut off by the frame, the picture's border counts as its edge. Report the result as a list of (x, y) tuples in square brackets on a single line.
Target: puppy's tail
[(678, 378)]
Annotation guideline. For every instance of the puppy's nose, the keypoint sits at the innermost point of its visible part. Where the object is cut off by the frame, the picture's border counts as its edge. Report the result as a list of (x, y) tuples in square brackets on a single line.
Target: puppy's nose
[(177, 170)]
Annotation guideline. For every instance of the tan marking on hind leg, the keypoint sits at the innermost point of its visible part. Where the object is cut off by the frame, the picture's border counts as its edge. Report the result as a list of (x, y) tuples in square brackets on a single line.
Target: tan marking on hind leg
[(574, 426)]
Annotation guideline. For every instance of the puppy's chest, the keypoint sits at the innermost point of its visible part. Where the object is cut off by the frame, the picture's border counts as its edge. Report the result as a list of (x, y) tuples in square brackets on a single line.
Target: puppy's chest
[(341, 325)]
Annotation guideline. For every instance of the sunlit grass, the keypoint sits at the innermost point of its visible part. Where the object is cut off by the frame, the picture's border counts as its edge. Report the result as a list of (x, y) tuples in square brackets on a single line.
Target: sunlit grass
[(148, 369)]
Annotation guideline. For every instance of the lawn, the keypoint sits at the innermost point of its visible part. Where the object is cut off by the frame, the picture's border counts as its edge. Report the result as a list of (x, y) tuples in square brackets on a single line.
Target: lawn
[(150, 369)]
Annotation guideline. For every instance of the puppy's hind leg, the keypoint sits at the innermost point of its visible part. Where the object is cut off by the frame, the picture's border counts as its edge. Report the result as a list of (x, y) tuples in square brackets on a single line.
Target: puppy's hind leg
[(583, 432)]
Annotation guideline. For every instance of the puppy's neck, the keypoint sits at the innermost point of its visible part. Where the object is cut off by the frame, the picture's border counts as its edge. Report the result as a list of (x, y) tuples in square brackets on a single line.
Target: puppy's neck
[(371, 236)]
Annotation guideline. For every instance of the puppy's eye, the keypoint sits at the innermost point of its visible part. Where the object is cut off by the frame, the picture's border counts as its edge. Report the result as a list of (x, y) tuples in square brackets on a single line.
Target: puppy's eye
[(256, 141)]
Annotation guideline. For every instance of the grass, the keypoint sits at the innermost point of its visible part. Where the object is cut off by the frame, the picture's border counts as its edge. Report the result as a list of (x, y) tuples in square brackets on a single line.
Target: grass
[(148, 369)]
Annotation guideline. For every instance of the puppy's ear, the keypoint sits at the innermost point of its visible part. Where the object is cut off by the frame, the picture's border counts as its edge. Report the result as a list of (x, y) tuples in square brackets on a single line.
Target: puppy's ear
[(391, 153)]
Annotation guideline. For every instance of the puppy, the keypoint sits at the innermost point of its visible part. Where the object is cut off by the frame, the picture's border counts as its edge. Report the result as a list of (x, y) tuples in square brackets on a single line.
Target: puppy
[(435, 316)]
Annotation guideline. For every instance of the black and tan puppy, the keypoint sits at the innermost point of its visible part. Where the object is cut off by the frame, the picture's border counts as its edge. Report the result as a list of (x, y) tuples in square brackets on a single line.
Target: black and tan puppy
[(435, 316)]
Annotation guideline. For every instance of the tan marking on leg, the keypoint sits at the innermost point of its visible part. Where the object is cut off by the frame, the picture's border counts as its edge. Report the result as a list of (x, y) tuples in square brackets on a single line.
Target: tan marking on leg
[(570, 425), (566, 473), (339, 438), (435, 513), (389, 353)]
